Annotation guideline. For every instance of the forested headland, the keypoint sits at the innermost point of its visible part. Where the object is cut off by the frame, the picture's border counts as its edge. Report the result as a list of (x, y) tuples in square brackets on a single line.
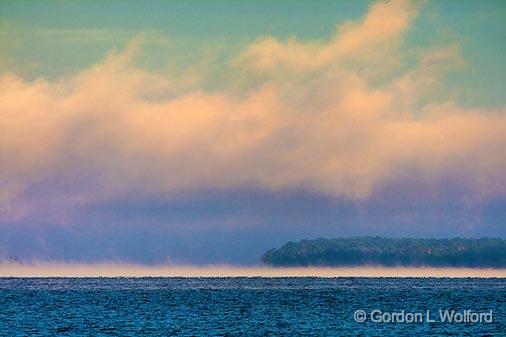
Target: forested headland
[(360, 251)]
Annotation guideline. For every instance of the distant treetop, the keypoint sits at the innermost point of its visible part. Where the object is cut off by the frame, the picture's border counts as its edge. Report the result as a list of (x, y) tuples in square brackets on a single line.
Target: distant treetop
[(359, 251)]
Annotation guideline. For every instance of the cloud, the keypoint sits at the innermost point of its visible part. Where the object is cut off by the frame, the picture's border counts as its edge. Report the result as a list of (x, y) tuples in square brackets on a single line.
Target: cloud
[(367, 46), (309, 118)]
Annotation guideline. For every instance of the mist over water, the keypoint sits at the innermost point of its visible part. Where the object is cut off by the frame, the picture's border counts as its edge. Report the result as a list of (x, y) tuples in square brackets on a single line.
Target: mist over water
[(114, 269)]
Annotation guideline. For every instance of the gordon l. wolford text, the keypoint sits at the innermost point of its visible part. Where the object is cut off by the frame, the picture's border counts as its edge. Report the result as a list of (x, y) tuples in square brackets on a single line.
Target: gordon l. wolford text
[(442, 316)]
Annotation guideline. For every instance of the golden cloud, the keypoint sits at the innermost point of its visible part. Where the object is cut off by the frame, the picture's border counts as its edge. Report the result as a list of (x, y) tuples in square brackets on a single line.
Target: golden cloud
[(314, 121)]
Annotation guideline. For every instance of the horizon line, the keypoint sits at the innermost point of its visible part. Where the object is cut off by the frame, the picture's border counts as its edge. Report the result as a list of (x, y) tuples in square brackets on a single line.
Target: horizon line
[(115, 269)]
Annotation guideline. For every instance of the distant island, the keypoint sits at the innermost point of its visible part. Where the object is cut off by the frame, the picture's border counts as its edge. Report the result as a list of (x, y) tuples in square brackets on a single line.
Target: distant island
[(379, 251)]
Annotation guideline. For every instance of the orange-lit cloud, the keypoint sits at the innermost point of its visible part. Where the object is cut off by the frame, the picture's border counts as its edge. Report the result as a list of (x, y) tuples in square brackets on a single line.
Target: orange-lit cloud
[(311, 119), (366, 46)]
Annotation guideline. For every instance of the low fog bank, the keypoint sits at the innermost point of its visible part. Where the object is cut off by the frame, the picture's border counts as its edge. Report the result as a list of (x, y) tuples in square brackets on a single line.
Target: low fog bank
[(114, 269)]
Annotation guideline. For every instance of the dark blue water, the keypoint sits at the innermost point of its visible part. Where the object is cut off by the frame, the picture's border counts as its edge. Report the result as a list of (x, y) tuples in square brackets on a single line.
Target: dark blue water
[(244, 306)]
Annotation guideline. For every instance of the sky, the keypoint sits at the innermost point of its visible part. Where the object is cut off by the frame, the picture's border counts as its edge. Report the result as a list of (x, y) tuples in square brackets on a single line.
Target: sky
[(203, 132)]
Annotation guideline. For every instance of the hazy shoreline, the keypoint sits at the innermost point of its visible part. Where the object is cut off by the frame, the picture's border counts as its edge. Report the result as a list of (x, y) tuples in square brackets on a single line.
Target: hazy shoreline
[(136, 270), (390, 252)]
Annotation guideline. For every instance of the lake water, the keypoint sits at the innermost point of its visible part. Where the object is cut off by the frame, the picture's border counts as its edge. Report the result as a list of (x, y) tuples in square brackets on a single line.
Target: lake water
[(251, 306)]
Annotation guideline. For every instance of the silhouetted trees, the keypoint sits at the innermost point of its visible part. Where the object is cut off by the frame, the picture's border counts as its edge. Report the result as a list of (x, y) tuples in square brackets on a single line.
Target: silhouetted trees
[(455, 252)]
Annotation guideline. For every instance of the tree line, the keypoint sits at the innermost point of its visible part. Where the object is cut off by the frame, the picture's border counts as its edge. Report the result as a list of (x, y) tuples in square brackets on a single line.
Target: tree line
[(456, 252)]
